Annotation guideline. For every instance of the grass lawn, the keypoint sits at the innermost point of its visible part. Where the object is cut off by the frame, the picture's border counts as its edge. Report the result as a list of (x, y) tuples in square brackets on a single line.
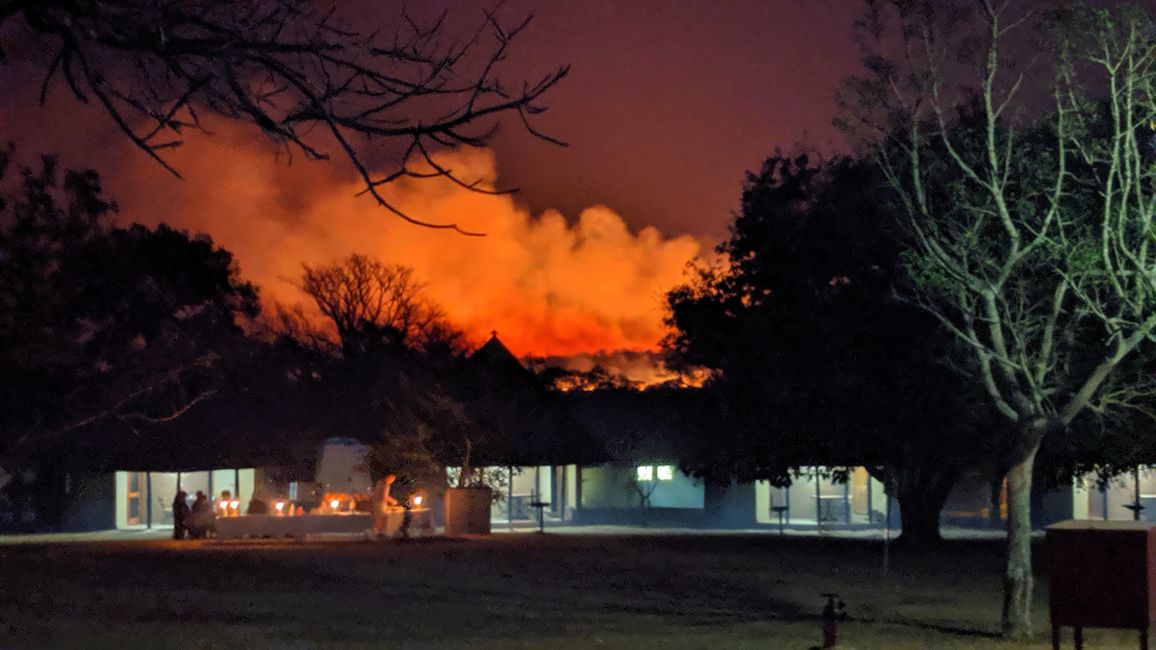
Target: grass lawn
[(508, 591)]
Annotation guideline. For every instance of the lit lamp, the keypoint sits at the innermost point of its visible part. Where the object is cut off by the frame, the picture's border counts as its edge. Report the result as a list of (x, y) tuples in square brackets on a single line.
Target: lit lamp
[(334, 504), (234, 506), (417, 499), (280, 506)]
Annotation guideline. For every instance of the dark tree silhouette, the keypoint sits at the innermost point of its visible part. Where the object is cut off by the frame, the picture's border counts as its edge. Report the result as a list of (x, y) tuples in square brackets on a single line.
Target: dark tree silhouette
[(393, 377), (370, 302), (816, 363), (299, 70), (103, 324)]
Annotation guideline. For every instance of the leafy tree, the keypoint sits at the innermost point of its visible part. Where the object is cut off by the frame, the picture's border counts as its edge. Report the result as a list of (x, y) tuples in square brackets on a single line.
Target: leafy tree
[(315, 79), (816, 362), (369, 302), (395, 376), (103, 324), (1032, 228), (1110, 438)]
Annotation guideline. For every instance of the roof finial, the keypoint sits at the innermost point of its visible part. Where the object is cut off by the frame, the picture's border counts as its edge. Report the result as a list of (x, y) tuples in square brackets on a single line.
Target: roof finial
[(494, 333)]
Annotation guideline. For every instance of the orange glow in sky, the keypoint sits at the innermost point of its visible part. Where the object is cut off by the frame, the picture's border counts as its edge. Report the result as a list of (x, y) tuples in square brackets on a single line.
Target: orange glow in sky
[(549, 287)]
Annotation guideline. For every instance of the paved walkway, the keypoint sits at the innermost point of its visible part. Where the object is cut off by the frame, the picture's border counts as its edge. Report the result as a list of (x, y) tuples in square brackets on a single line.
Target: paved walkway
[(159, 533), (948, 532), (127, 535)]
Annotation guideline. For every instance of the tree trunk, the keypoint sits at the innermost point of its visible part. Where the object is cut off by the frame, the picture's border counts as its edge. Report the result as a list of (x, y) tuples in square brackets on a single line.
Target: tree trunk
[(994, 515), (1018, 582), (921, 493), (919, 518)]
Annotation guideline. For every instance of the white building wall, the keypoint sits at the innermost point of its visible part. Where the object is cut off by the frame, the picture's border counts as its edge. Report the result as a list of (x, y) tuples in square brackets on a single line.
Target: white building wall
[(122, 499)]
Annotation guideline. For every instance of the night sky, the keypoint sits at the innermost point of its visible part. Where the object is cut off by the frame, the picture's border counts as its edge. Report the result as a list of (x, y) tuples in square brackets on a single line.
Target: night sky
[(666, 107)]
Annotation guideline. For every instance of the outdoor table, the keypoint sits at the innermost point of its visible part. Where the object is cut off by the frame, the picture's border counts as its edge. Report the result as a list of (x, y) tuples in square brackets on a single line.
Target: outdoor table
[(825, 504), (389, 522), (541, 506), (292, 526)]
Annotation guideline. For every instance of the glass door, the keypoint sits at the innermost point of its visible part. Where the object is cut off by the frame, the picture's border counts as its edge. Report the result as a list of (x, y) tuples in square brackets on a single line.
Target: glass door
[(135, 495)]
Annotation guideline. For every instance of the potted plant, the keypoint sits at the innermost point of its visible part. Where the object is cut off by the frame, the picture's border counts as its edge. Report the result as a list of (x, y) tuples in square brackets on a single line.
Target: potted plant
[(468, 500)]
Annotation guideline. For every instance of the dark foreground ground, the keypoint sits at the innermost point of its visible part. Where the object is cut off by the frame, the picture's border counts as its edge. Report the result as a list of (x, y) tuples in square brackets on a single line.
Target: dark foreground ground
[(508, 591)]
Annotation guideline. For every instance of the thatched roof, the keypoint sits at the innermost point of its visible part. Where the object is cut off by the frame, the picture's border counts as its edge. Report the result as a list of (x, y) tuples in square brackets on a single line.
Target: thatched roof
[(639, 426), (534, 425)]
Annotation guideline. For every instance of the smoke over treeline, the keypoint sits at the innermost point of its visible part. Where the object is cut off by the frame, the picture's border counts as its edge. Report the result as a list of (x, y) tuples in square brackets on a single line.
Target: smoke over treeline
[(548, 286)]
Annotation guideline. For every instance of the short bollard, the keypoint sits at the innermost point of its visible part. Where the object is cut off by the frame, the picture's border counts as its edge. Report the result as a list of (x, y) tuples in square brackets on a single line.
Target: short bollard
[(832, 614)]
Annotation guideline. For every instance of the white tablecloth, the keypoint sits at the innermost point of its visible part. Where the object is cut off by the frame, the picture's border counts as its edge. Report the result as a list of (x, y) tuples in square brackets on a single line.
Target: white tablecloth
[(420, 522), (283, 526)]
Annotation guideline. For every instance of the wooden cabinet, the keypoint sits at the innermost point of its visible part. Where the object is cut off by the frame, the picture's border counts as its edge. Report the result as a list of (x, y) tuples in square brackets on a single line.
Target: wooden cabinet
[(468, 511), (1101, 574)]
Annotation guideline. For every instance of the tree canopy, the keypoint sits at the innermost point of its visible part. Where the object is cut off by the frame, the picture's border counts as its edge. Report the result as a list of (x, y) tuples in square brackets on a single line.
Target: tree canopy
[(816, 361), (312, 78), (99, 323)]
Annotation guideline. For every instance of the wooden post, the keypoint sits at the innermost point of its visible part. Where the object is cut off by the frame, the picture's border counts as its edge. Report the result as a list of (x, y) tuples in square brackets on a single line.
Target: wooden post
[(887, 534), (847, 502), (1136, 487), (563, 494), (178, 481), (577, 489), (237, 486), (149, 498), (510, 497), (818, 500)]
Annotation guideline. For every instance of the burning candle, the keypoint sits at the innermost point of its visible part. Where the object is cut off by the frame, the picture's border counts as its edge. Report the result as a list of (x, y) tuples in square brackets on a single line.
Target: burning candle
[(234, 505), (333, 505), (417, 500), (280, 507)]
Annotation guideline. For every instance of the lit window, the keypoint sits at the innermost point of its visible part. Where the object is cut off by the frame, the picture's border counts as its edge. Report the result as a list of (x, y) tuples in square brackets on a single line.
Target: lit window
[(665, 473), (646, 472)]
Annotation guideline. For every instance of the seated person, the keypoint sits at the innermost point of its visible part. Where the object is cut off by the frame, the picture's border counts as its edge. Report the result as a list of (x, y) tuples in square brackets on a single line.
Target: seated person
[(257, 506), (203, 517)]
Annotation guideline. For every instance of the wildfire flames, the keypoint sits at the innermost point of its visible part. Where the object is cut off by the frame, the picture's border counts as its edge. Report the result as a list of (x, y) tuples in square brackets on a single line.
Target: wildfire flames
[(626, 368), (549, 287)]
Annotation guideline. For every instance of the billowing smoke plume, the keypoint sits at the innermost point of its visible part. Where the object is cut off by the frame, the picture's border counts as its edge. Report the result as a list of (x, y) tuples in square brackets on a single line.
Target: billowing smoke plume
[(548, 287)]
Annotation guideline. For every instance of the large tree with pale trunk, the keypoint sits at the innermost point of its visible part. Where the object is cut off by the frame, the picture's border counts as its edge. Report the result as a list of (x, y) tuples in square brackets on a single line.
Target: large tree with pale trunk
[(1030, 198)]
